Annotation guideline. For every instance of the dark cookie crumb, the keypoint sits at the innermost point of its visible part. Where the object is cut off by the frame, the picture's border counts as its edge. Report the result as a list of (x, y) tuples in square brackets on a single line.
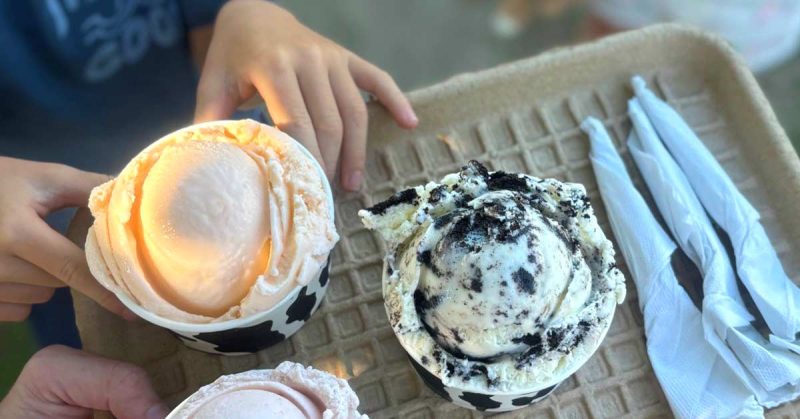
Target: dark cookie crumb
[(555, 337), (477, 370), (501, 180), (444, 219), (535, 350), (523, 314), (437, 194), (524, 281), (451, 368), (474, 166), (407, 196), (476, 284), (583, 328), (437, 354), (533, 340), (425, 257), (501, 313), (424, 304), (460, 230), (457, 336)]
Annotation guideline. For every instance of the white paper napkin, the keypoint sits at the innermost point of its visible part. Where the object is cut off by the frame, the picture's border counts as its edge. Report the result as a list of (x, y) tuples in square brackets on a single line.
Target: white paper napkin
[(758, 266), (696, 380), (771, 372)]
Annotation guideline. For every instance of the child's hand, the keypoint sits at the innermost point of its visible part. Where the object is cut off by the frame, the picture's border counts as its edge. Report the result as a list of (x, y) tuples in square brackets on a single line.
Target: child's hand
[(35, 259), (309, 83)]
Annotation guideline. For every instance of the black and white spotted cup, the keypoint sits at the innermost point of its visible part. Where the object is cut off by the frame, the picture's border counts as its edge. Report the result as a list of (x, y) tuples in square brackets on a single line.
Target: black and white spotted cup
[(488, 402), (258, 331)]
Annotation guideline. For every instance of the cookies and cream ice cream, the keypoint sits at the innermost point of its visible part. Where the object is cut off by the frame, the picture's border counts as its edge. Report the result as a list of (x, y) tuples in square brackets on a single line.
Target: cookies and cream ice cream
[(496, 281), (213, 222), (290, 391)]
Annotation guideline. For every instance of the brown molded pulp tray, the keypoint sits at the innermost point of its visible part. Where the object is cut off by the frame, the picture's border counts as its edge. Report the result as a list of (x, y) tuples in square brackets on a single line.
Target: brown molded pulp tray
[(523, 117)]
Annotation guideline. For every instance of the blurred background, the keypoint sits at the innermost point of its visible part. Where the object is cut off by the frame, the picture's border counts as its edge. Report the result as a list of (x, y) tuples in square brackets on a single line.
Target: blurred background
[(423, 42)]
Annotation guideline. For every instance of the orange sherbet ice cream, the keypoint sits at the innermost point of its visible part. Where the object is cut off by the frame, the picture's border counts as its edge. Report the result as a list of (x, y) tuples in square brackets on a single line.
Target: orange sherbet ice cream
[(212, 222)]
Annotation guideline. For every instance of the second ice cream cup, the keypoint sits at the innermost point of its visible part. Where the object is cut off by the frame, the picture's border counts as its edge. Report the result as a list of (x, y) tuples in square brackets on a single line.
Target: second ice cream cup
[(253, 323), (497, 285)]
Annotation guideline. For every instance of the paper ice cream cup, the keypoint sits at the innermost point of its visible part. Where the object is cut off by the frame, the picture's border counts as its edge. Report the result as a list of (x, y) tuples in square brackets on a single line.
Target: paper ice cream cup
[(485, 400), (247, 334), (256, 331), (498, 285), (470, 399)]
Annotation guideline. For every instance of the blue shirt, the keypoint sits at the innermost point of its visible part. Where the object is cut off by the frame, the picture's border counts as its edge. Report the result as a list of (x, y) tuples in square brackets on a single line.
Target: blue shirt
[(89, 83)]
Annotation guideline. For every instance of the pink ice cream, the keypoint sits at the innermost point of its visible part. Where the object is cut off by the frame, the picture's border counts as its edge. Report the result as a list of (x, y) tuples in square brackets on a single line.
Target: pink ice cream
[(212, 222), (267, 400), (290, 391)]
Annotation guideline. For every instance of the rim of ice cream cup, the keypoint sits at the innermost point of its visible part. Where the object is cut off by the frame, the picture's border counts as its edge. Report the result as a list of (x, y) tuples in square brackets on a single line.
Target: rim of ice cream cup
[(253, 319), (559, 378), (174, 412)]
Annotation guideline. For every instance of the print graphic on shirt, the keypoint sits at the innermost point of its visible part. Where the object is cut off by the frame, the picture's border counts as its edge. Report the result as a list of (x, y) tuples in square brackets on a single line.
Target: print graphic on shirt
[(121, 38)]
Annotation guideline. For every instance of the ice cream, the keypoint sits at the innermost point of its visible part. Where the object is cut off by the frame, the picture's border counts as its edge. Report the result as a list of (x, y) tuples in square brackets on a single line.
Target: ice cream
[(496, 282), (288, 392), (213, 222), (271, 400)]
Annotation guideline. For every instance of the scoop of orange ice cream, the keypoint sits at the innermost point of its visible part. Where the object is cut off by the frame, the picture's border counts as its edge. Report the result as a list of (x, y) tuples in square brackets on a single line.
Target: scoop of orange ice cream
[(204, 228), (213, 222)]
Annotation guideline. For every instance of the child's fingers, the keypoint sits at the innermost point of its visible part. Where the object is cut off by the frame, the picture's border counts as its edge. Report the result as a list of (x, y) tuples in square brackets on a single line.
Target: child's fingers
[(24, 293), (354, 118), (14, 269), (318, 96), (56, 255), (67, 186), (376, 81), (217, 97), (281, 92)]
